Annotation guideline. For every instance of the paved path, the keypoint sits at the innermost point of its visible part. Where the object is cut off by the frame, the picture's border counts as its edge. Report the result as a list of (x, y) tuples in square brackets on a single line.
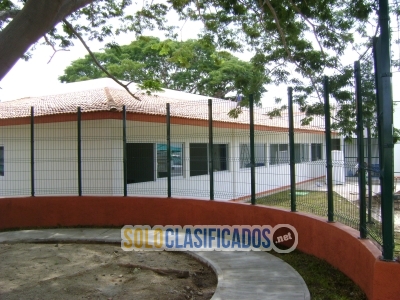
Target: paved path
[(241, 275)]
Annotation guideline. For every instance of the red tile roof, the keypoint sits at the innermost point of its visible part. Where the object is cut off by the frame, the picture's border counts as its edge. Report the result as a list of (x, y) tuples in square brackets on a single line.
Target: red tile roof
[(111, 99)]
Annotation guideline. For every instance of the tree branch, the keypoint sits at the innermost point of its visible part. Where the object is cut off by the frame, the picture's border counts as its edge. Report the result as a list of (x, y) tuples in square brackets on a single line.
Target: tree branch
[(52, 46), (370, 46), (8, 14), (283, 39), (278, 26), (296, 8), (34, 20), (78, 36)]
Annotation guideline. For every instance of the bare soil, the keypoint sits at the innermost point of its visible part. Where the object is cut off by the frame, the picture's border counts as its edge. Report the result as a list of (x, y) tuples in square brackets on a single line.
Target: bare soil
[(100, 271)]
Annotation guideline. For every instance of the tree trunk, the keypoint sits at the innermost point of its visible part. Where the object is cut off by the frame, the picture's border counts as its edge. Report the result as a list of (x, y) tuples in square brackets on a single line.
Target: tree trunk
[(35, 19)]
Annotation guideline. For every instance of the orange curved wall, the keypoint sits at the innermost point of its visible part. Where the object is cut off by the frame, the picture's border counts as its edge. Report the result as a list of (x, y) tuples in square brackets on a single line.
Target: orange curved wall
[(333, 242)]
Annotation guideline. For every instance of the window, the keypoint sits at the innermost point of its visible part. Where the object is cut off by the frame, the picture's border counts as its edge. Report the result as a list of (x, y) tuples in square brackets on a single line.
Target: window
[(176, 160), (279, 154), (199, 158), (1, 161), (140, 161), (259, 155), (316, 152), (301, 153), (335, 144), (220, 157)]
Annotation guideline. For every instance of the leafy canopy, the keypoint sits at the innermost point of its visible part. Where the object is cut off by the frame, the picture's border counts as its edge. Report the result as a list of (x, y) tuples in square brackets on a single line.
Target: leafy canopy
[(192, 66)]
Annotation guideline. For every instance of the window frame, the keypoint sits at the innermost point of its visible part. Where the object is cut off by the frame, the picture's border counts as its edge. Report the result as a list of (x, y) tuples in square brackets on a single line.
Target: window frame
[(216, 162), (224, 160), (159, 161), (303, 148), (336, 144), (316, 147), (275, 161), (260, 160)]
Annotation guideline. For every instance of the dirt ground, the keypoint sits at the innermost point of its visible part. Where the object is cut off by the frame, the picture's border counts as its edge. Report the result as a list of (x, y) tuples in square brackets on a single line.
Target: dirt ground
[(100, 271)]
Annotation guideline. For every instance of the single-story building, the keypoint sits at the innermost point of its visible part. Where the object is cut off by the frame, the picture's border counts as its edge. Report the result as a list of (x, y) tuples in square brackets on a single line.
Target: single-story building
[(55, 145)]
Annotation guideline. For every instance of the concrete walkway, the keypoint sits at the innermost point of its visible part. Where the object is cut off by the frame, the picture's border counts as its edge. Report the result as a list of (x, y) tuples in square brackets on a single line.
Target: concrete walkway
[(241, 275)]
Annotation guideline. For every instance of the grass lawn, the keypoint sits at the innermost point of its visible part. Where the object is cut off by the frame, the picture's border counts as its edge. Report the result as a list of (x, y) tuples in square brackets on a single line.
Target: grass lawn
[(316, 202), (323, 281)]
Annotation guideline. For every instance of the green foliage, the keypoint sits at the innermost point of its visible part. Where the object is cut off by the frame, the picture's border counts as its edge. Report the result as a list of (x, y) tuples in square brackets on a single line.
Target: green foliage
[(294, 43), (6, 5), (396, 135), (276, 112), (235, 112), (193, 66)]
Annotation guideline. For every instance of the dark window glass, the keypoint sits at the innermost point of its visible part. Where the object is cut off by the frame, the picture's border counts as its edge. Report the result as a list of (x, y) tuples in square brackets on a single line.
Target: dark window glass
[(198, 159), (279, 154), (220, 157), (316, 152), (140, 161)]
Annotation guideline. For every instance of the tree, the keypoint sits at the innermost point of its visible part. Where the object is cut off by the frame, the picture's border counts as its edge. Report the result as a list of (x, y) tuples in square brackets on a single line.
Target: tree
[(191, 66), (29, 23), (295, 42)]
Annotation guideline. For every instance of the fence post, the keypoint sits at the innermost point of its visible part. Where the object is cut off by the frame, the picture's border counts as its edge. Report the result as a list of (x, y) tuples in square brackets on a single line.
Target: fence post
[(375, 50), (387, 147), (79, 152), (124, 156), (386, 208), (32, 151), (291, 153), (252, 154), (210, 149), (328, 141), (169, 185), (360, 146), (369, 148)]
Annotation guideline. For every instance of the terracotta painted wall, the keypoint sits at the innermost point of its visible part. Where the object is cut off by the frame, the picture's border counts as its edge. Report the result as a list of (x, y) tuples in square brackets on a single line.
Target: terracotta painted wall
[(333, 242)]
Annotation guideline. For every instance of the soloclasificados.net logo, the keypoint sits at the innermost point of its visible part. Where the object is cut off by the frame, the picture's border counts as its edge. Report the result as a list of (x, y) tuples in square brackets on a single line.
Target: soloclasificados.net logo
[(282, 238)]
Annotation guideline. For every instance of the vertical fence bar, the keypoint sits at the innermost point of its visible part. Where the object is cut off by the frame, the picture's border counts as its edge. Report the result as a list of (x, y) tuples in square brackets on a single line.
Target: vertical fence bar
[(375, 50), (252, 154), (32, 151), (376, 53), (79, 152), (360, 146), (124, 156), (169, 185), (210, 149), (386, 210), (328, 141), (387, 133), (291, 153), (369, 148)]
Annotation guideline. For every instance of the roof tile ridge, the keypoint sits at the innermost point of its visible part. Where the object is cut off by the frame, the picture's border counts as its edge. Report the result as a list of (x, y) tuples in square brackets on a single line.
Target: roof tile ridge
[(111, 104)]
